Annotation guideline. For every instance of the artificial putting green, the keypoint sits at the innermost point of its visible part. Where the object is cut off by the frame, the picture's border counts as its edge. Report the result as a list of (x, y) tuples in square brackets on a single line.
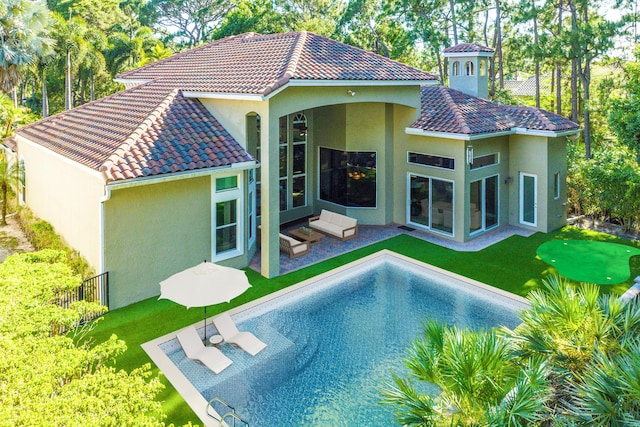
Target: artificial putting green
[(587, 261)]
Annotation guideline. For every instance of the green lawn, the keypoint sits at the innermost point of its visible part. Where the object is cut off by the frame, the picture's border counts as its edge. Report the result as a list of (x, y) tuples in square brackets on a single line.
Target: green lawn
[(588, 261), (511, 265)]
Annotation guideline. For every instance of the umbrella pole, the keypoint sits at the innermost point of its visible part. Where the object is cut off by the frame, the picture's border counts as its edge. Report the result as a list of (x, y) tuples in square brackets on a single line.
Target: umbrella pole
[(205, 323)]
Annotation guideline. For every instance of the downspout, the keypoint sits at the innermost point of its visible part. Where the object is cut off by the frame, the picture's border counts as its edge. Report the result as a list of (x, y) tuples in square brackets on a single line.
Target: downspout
[(104, 199)]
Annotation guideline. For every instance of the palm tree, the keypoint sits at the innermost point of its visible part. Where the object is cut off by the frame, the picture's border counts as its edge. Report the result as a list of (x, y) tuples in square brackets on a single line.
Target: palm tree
[(127, 51), (72, 47), (574, 360), (93, 64), (10, 176), (24, 29), (476, 383)]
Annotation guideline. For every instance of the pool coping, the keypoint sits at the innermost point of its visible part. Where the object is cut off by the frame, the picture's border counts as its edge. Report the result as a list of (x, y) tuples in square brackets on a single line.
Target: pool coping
[(193, 397)]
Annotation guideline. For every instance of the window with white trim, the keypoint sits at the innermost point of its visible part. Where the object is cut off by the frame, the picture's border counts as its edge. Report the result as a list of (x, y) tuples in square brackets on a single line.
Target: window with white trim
[(484, 161), (430, 203), (556, 185), (429, 160), (227, 217), (293, 161)]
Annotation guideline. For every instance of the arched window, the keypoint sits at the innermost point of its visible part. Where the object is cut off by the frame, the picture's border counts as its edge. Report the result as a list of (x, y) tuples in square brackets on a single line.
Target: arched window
[(468, 68), (456, 68), (482, 67)]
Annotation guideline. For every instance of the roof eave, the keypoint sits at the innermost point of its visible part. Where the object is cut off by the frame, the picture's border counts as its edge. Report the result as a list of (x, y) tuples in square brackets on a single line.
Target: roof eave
[(476, 136), (173, 176), (74, 163), (458, 136), (547, 133), (128, 82), (306, 83), (224, 95), (466, 54)]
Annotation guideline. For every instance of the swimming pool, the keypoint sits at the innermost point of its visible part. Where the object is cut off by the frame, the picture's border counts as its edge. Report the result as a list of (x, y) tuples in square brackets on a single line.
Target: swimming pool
[(333, 342)]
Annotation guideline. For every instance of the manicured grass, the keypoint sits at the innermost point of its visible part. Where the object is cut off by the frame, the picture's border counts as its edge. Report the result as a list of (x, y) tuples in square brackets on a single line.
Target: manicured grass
[(603, 263), (511, 265)]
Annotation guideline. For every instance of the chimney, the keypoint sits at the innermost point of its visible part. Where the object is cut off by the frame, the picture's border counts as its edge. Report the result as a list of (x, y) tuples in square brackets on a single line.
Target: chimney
[(468, 68)]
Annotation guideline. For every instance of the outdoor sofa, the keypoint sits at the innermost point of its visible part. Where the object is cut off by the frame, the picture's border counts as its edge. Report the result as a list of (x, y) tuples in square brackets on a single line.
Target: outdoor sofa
[(335, 225)]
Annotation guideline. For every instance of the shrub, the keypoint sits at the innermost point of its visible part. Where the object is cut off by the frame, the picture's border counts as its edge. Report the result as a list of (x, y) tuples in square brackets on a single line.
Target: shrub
[(42, 235)]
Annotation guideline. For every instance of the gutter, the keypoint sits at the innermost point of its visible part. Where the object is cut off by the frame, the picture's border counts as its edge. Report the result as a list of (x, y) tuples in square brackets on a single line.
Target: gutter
[(306, 83), (477, 136), (174, 176)]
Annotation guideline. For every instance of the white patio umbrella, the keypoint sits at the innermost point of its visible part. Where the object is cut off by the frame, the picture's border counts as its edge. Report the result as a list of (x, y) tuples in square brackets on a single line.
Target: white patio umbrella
[(204, 284)]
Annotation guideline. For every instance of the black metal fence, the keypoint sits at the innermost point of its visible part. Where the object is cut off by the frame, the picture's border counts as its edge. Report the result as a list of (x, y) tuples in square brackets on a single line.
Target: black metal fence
[(94, 289)]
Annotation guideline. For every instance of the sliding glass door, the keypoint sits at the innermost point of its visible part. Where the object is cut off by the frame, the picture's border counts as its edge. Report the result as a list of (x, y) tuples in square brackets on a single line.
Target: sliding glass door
[(483, 204), (430, 203)]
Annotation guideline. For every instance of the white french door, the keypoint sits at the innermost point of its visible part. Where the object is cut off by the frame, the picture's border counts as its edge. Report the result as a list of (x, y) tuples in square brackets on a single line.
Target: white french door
[(528, 199)]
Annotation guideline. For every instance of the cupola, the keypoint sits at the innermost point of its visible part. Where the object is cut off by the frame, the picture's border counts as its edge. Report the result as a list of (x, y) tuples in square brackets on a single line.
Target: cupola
[(468, 68)]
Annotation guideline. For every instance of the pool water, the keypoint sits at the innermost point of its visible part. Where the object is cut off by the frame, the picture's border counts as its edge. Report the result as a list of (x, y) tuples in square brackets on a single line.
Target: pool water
[(333, 344)]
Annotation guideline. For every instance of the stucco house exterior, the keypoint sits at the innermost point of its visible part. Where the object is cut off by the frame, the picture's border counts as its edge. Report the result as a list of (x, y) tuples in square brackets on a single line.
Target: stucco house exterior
[(253, 129)]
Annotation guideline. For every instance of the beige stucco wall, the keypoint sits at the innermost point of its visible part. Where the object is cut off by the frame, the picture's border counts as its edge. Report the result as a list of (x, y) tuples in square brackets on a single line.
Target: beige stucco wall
[(530, 154), (366, 131), (403, 143), (153, 231), (232, 115), (557, 208), (65, 194), (483, 147)]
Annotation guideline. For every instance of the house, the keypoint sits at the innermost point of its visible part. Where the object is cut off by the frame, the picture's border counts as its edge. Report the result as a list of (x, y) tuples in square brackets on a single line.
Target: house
[(200, 147), (527, 87)]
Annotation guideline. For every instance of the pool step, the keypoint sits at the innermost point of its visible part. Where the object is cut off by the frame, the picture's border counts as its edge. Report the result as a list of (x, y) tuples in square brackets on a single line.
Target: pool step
[(304, 339)]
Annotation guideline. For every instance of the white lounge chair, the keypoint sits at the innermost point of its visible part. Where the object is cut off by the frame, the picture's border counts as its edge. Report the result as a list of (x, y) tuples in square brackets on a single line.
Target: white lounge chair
[(245, 340), (193, 347)]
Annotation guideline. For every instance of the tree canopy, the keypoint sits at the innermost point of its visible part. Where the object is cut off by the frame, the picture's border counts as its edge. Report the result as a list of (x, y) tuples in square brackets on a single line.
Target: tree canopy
[(568, 363), (50, 373)]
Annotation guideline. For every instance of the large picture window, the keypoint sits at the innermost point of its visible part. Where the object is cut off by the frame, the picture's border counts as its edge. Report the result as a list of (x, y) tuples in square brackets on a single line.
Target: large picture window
[(348, 178)]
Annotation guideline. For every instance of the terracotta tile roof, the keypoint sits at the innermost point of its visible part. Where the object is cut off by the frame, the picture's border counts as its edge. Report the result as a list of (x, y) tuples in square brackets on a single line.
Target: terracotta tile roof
[(468, 48), (451, 111), (259, 64), (145, 131)]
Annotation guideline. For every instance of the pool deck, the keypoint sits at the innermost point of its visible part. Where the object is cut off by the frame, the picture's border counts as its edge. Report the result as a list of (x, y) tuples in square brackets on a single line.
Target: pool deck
[(193, 397), (368, 234)]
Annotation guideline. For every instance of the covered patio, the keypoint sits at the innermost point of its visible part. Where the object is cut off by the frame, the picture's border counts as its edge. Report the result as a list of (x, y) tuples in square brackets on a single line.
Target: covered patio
[(368, 234)]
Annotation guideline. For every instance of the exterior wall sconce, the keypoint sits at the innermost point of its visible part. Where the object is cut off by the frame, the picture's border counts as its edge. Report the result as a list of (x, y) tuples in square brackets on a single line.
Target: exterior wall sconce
[(470, 154), (508, 180), (351, 93)]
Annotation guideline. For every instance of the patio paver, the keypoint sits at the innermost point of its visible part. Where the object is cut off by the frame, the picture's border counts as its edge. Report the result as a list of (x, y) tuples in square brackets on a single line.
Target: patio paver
[(368, 234)]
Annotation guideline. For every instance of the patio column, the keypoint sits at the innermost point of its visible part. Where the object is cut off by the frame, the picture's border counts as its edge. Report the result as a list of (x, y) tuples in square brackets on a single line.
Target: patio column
[(270, 197)]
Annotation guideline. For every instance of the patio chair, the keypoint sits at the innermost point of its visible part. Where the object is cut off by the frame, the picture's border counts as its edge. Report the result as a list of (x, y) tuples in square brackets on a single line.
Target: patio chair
[(245, 340), (193, 347), (293, 247)]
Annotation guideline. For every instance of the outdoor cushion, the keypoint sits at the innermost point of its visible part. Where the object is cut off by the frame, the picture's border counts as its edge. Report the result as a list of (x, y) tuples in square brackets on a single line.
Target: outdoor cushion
[(292, 246), (335, 224)]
